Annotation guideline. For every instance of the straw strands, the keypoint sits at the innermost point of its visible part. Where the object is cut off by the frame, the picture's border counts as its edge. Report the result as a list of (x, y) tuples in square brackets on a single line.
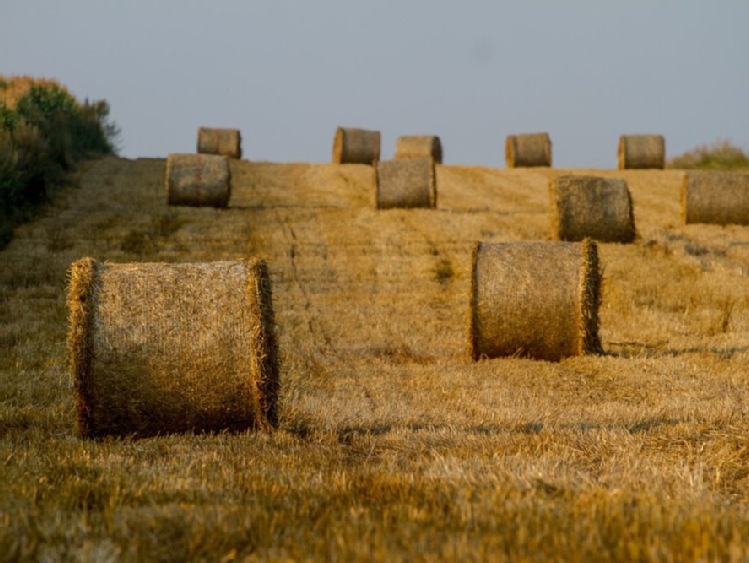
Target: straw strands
[(534, 299), (225, 142), (642, 151), (528, 150), (715, 197), (156, 348), (591, 207), (356, 146), (419, 146), (198, 180), (405, 183)]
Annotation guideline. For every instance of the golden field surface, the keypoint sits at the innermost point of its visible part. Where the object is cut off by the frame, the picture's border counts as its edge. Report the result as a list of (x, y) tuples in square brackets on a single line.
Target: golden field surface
[(392, 444)]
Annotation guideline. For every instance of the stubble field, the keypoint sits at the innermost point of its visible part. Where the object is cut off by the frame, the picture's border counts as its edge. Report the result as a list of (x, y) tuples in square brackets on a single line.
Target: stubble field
[(392, 444)]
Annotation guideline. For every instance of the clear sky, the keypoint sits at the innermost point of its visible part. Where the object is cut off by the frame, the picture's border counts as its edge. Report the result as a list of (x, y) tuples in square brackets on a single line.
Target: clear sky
[(286, 72)]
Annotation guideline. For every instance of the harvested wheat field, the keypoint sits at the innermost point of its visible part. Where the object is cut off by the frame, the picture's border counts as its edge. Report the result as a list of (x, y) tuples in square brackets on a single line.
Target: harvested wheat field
[(392, 444)]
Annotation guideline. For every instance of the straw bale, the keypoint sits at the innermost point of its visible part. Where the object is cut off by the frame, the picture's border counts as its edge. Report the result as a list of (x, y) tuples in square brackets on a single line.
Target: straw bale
[(528, 150), (415, 146), (356, 146), (642, 151), (715, 197), (198, 180), (158, 348), (591, 207), (535, 299), (405, 183), (225, 142)]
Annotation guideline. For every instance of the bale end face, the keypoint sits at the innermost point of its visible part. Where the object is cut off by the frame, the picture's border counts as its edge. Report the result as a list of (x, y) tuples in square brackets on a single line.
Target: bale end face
[(642, 152), (591, 207), (534, 299), (160, 348), (406, 183), (198, 180), (356, 146)]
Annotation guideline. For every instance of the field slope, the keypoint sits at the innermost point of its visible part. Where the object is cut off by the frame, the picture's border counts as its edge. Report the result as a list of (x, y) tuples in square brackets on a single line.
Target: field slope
[(393, 445)]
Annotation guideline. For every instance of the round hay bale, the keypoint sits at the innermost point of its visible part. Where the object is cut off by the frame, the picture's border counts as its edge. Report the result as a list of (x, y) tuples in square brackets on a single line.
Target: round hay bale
[(535, 299), (225, 142), (528, 150), (405, 183), (356, 146), (158, 348), (642, 151), (715, 197), (198, 180), (591, 207), (414, 146)]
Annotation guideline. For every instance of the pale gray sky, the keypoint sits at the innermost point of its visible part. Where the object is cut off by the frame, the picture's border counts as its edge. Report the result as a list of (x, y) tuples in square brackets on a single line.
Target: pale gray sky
[(286, 72)]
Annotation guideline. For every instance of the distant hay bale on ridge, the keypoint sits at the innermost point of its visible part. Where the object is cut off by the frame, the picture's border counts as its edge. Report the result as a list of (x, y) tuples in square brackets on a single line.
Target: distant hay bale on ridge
[(198, 180), (715, 197), (356, 146), (419, 146), (642, 151), (591, 207), (405, 183), (225, 142), (528, 150), (157, 348), (536, 299)]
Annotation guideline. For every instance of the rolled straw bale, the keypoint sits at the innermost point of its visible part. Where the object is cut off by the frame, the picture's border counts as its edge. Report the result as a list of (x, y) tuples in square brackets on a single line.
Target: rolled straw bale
[(532, 149), (415, 146), (356, 146), (405, 183), (591, 207), (198, 180), (715, 197), (535, 299), (642, 151), (226, 142), (158, 348)]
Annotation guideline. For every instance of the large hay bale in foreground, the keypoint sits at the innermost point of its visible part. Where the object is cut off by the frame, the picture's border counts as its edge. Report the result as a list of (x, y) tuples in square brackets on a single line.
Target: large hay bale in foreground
[(642, 151), (535, 299), (528, 150), (419, 146), (405, 183), (157, 348), (591, 207), (715, 197), (198, 180), (225, 142), (356, 146)]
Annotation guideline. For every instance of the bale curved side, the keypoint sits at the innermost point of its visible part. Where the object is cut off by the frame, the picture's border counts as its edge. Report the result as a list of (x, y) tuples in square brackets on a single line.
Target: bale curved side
[(356, 146), (591, 207), (173, 348), (642, 152), (405, 183), (224, 142), (534, 299), (720, 198), (198, 180), (528, 150), (419, 146)]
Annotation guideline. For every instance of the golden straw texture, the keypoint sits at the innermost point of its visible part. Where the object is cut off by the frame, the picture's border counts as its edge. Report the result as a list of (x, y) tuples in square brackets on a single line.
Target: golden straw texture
[(642, 151), (356, 146), (224, 142), (527, 150), (405, 183), (715, 197), (591, 207), (198, 180), (534, 299), (157, 348), (419, 146)]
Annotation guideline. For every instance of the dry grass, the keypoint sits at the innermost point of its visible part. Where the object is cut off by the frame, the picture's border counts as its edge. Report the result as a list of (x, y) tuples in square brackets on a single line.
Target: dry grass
[(392, 445)]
